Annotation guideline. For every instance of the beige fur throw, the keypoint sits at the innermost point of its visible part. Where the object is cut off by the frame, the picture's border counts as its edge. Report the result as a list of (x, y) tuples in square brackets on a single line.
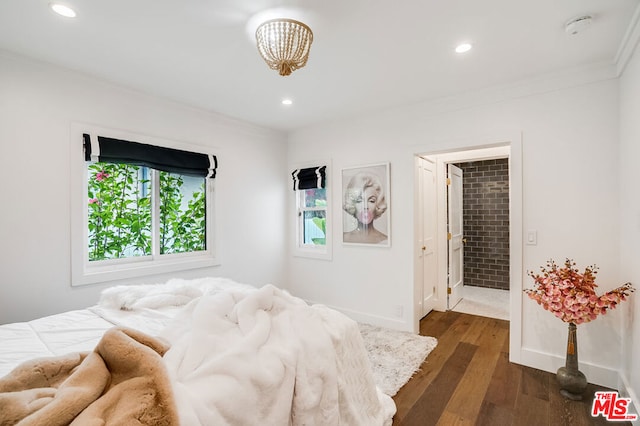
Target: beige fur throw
[(122, 382)]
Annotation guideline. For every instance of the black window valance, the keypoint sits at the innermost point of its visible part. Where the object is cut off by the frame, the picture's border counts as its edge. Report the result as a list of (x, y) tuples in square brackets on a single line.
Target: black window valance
[(101, 148), (309, 178)]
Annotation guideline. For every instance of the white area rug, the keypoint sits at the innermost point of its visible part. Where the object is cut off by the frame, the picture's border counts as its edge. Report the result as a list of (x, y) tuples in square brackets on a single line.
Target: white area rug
[(395, 355), (485, 302)]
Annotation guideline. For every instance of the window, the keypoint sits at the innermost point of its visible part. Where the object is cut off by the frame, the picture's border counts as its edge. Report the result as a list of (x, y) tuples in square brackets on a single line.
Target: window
[(146, 209), (118, 211), (120, 201), (312, 225), (312, 211)]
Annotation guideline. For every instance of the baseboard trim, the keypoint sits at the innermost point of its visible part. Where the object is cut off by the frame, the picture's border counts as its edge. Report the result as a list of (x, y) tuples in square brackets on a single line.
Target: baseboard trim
[(378, 320), (625, 390), (596, 374)]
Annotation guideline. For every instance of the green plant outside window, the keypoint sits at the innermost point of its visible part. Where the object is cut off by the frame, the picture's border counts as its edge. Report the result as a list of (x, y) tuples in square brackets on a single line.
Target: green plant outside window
[(314, 216), (120, 215)]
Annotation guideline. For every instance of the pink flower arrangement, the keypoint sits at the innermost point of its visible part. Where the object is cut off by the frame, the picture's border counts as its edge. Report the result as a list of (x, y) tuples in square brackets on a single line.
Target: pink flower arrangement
[(94, 201), (570, 295)]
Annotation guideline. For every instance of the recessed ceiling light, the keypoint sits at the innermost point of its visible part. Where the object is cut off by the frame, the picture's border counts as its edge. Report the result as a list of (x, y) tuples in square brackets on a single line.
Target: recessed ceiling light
[(287, 102), (63, 10), (463, 47)]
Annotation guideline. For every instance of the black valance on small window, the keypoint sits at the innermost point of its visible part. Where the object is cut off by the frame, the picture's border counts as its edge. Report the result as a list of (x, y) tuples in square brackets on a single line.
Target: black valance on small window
[(109, 150), (310, 178)]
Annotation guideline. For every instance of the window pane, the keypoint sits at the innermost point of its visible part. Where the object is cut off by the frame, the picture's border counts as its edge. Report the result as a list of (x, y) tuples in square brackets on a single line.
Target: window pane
[(182, 213), (313, 225), (119, 211), (315, 197)]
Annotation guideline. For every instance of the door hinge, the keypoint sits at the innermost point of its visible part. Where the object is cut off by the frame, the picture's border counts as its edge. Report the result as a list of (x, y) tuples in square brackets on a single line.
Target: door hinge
[(448, 181), (448, 290), (434, 289), (448, 235)]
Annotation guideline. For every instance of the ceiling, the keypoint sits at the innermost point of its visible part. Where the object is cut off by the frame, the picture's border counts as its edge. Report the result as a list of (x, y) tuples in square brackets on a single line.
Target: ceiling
[(367, 55)]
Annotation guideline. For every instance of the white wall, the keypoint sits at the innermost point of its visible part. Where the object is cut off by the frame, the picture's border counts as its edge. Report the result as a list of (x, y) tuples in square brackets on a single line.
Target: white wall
[(630, 219), (38, 103), (570, 196)]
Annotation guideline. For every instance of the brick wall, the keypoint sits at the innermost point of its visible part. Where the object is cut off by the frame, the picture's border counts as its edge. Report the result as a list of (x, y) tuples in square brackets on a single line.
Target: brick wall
[(486, 223)]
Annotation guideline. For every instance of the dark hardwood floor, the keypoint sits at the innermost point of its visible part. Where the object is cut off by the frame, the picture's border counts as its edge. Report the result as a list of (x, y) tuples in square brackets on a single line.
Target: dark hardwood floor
[(468, 380)]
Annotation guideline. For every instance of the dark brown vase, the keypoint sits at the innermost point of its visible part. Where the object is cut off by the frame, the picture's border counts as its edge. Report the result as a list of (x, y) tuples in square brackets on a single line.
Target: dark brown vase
[(572, 382)]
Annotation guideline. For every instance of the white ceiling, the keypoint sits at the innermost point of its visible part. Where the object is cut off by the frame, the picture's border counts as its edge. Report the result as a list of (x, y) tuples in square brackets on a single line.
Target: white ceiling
[(366, 55)]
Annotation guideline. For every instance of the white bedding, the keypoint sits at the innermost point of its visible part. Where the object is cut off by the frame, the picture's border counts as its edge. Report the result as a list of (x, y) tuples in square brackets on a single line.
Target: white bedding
[(73, 331), (148, 308), (49, 336), (239, 355)]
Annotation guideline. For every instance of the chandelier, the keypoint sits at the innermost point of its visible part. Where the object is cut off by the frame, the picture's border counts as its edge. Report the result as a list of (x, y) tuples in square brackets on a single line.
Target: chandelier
[(284, 44)]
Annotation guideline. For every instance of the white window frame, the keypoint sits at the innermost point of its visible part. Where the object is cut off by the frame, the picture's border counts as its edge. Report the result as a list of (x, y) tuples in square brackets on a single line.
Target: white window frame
[(83, 271), (308, 250)]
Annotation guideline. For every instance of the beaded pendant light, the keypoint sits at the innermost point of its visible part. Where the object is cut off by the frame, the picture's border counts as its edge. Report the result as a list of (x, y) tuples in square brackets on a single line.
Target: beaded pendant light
[(284, 44)]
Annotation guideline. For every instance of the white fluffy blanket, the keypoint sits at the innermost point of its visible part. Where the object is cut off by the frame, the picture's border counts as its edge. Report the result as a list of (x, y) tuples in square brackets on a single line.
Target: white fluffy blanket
[(175, 292), (265, 357)]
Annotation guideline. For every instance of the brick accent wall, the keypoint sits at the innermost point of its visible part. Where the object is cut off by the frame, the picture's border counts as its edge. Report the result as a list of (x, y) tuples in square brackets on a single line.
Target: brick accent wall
[(486, 223)]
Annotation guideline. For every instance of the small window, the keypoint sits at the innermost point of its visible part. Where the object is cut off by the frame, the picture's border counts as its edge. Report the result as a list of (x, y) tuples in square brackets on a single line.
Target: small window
[(312, 213), (146, 210)]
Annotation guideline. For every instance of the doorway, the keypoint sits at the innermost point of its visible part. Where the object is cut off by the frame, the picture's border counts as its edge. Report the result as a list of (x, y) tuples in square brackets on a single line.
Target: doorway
[(442, 267), (486, 238), (510, 146)]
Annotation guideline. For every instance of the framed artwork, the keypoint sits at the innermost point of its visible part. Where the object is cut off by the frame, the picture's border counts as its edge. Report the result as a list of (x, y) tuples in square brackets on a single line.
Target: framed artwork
[(366, 205)]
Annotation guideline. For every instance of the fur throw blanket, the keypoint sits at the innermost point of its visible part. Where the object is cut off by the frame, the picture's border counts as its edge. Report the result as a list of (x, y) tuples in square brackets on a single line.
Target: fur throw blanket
[(264, 357), (123, 381), (175, 292)]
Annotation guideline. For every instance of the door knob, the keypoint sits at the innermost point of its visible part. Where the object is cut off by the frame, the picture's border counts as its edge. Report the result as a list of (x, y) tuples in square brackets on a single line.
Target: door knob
[(424, 248)]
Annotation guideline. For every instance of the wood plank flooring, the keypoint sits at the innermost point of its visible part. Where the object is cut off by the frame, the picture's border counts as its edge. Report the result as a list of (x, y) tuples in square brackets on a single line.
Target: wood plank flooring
[(468, 380)]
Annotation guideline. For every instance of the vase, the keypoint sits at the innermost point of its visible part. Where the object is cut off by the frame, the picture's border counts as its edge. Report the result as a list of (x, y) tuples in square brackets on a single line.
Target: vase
[(572, 382)]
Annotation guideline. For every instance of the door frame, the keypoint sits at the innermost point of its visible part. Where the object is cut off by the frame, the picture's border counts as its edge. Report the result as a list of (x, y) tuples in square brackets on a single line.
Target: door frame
[(512, 149)]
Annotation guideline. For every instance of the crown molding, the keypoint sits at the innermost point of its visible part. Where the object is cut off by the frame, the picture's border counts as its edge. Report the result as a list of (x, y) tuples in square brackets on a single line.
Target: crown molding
[(629, 43), (542, 83)]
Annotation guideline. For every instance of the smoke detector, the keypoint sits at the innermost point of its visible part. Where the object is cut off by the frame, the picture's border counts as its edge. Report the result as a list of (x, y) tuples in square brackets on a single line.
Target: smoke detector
[(579, 24)]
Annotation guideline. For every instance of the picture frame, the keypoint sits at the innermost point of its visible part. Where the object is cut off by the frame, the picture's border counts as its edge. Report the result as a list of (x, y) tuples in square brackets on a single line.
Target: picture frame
[(366, 205)]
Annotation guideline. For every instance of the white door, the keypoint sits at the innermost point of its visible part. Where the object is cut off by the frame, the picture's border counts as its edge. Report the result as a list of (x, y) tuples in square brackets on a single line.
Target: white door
[(427, 237), (454, 236)]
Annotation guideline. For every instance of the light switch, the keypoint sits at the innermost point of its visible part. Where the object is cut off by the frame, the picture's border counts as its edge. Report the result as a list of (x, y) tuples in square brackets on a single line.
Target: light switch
[(532, 237)]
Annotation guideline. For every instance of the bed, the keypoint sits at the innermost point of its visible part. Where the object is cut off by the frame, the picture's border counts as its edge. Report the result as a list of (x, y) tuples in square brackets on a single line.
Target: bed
[(208, 351)]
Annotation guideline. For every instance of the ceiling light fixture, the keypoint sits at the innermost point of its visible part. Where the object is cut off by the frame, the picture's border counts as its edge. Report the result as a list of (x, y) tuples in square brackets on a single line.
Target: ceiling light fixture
[(284, 44), (287, 102), (63, 10), (463, 47)]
